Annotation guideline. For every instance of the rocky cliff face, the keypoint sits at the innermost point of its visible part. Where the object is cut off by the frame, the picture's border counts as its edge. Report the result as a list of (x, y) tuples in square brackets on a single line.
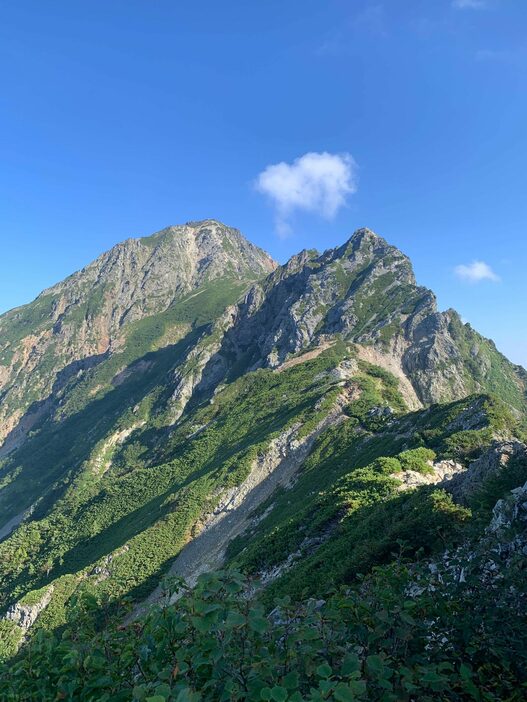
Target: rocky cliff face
[(365, 292), (490, 464), (80, 321)]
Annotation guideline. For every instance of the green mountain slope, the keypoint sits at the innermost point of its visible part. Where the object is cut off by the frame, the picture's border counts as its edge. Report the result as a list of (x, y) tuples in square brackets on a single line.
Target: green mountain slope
[(103, 310), (188, 405)]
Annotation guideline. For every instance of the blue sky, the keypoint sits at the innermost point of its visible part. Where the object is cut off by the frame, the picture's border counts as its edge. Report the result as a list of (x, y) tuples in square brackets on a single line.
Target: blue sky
[(119, 118)]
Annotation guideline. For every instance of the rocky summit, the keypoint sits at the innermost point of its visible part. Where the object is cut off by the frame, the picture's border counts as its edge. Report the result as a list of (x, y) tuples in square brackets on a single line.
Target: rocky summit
[(76, 324), (227, 479)]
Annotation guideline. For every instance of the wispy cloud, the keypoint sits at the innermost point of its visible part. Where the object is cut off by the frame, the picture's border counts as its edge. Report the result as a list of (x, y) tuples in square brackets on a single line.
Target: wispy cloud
[(475, 272), (314, 182), (468, 4)]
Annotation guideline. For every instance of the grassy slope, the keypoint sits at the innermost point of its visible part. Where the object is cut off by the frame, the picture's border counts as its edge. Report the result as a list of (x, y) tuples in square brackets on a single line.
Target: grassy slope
[(346, 495), (92, 405), (371, 641), (486, 369), (160, 483)]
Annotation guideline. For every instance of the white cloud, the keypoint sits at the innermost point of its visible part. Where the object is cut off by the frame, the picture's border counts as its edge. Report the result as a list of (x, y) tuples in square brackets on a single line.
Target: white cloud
[(468, 4), (475, 272), (314, 182)]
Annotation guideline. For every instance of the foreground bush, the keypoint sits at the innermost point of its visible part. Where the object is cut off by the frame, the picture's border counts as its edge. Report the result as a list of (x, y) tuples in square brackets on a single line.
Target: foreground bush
[(401, 635)]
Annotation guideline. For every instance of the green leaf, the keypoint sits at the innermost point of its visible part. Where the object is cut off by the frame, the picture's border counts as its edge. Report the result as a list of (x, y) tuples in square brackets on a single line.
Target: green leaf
[(234, 619), (163, 690), (465, 672), (323, 671), (279, 694), (184, 696), (325, 686), (343, 693), (259, 624), (202, 624), (375, 665), (407, 619), (358, 687), (102, 681), (291, 681), (350, 664)]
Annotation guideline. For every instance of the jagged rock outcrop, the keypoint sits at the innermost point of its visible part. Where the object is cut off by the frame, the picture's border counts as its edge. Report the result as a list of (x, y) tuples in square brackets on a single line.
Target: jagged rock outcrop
[(464, 482), (508, 512), (24, 614), (441, 473), (464, 485), (365, 292), (353, 290), (486, 559)]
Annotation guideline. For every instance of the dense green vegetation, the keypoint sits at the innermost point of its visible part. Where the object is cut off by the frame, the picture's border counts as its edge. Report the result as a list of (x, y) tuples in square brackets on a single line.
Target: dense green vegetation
[(352, 515), (94, 402), (388, 639), (413, 629), (356, 524), (485, 367), (110, 527), (159, 482), (343, 582)]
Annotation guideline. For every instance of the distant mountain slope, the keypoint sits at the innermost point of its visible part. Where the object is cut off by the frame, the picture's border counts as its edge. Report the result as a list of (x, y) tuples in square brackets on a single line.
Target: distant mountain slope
[(365, 291)]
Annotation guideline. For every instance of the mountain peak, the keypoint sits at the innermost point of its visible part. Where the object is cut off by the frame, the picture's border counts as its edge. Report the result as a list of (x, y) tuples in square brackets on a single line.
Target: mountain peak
[(365, 237), (363, 241), (210, 236), (158, 400), (85, 315), (365, 245)]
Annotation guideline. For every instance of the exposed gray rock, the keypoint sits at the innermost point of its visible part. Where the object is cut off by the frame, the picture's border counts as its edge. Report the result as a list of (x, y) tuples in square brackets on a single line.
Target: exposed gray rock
[(509, 510), (441, 474), (490, 463), (25, 615), (79, 321), (234, 513), (486, 558), (382, 412), (103, 570), (364, 292)]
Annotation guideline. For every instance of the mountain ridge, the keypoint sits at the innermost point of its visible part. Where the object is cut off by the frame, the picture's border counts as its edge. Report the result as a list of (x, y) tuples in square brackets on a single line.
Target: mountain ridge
[(364, 289), (313, 295), (257, 419)]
